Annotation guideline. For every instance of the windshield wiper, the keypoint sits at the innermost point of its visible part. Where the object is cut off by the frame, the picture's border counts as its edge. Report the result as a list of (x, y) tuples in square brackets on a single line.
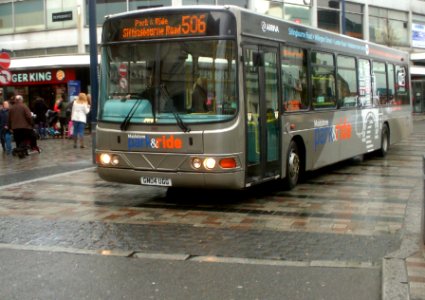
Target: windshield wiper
[(180, 123), (124, 125)]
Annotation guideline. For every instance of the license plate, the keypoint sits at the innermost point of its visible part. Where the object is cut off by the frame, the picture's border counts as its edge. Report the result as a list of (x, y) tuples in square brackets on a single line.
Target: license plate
[(158, 181)]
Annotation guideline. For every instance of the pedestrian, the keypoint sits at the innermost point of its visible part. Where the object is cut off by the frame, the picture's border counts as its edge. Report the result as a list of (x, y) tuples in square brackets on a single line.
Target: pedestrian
[(63, 119), (80, 109), (5, 134), (21, 123), (40, 108)]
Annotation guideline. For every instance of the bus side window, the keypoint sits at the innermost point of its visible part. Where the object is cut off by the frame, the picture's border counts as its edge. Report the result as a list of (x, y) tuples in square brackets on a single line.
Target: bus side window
[(323, 80), (380, 90), (347, 82), (294, 74)]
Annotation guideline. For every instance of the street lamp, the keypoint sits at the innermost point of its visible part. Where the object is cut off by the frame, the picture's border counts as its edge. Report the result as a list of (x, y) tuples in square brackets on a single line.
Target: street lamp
[(93, 72)]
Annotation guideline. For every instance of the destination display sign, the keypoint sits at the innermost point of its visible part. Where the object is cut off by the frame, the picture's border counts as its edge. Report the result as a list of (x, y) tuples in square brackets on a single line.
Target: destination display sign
[(144, 26), (165, 26)]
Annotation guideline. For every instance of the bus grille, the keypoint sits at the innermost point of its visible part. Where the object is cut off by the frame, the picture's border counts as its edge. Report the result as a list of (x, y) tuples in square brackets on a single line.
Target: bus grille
[(168, 162)]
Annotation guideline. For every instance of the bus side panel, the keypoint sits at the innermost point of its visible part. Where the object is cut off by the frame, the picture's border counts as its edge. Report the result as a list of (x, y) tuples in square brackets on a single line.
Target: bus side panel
[(400, 123), (332, 136)]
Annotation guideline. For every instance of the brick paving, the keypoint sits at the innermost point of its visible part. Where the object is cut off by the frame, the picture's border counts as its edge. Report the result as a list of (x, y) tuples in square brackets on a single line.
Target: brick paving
[(355, 211)]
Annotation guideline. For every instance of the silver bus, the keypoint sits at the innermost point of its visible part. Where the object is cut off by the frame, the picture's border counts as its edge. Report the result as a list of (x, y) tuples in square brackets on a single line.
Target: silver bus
[(222, 97)]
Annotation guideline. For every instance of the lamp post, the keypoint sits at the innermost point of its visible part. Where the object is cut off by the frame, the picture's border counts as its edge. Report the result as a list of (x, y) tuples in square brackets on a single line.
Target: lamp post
[(93, 73), (343, 25)]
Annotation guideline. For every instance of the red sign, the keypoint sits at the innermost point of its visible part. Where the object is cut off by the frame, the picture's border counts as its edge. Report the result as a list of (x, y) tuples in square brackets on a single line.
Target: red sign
[(5, 77), (123, 70), (55, 76), (4, 60)]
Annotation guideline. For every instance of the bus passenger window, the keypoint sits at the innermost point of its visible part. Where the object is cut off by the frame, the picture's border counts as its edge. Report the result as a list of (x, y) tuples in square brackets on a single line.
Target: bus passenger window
[(294, 78), (347, 82), (402, 92), (365, 83), (380, 91), (391, 87), (323, 80)]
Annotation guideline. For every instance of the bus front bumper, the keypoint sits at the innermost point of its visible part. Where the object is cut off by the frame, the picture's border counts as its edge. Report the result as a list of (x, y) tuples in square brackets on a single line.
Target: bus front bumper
[(228, 180)]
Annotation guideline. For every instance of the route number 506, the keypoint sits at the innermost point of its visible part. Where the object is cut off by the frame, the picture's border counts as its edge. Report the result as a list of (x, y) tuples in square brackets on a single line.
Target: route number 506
[(193, 24)]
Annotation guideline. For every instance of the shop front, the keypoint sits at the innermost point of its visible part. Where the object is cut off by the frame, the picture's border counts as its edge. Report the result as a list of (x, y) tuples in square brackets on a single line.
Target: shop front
[(48, 84)]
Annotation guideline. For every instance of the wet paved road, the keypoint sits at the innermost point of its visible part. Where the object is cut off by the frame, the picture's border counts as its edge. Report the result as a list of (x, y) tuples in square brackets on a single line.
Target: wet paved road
[(352, 214)]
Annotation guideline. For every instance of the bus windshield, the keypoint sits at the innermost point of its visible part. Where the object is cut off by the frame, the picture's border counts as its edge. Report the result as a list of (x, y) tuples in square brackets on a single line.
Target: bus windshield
[(178, 82)]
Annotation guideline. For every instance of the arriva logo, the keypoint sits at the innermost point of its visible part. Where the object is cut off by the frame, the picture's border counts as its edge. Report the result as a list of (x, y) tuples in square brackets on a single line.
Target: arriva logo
[(162, 142), (267, 27)]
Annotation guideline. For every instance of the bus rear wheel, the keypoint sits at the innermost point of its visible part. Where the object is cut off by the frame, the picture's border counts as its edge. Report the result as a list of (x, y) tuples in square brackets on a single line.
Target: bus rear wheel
[(385, 141), (293, 166)]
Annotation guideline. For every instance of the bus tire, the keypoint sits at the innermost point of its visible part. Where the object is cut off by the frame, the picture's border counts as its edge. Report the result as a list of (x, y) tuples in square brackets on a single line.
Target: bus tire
[(385, 141), (293, 166)]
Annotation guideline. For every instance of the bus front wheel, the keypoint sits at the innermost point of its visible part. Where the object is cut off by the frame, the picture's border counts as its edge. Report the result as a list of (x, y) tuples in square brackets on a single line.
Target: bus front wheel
[(293, 166), (385, 141)]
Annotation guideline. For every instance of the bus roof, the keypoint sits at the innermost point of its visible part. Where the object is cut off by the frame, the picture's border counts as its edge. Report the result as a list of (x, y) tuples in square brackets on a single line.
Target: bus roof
[(273, 28)]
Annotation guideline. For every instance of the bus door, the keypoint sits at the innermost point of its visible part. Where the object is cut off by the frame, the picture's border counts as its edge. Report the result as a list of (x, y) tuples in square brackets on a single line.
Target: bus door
[(262, 112)]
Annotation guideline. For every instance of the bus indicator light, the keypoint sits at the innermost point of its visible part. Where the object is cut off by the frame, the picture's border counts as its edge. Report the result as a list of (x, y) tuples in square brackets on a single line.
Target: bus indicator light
[(228, 163)]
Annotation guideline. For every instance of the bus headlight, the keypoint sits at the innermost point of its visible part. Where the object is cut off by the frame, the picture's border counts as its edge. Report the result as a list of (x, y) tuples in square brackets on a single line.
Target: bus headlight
[(196, 163), (105, 159), (115, 161), (209, 163)]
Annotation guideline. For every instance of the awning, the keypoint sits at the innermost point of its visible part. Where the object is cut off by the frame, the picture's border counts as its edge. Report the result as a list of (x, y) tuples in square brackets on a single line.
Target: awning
[(417, 70), (417, 56)]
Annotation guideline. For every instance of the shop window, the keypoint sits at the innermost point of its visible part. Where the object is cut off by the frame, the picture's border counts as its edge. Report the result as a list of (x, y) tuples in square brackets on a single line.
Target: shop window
[(294, 78), (347, 81), (29, 15), (6, 21), (323, 80)]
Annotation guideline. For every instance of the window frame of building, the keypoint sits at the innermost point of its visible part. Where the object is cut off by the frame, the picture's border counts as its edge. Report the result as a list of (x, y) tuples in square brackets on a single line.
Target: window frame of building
[(354, 10), (61, 6), (6, 18), (29, 16), (325, 13), (388, 22), (418, 27)]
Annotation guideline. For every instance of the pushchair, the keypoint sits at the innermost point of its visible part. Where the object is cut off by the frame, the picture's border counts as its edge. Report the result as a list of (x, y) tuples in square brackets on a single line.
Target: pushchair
[(52, 119), (26, 141)]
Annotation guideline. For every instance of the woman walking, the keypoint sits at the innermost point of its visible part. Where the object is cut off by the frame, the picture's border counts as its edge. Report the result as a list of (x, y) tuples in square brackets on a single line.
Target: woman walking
[(80, 109)]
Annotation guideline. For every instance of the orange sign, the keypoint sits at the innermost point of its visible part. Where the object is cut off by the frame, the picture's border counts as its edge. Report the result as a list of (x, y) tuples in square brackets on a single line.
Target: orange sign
[(163, 26)]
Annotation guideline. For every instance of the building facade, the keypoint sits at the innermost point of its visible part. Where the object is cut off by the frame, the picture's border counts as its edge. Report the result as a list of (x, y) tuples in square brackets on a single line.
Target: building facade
[(48, 40)]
